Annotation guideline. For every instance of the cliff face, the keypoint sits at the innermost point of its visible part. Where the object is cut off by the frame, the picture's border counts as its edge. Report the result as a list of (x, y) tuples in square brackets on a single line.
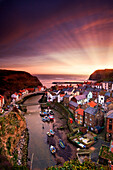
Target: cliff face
[(13, 136), (102, 75), (12, 81)]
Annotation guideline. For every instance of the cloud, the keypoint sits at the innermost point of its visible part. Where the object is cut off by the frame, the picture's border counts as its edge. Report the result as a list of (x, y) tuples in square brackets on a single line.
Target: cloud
[(60, 33)]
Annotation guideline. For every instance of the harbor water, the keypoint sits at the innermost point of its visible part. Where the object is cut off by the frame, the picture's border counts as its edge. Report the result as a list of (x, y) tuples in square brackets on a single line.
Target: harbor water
[(38, 150)]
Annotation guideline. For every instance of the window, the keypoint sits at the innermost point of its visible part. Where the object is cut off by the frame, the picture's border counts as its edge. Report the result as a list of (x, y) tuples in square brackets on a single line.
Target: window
[(85, 117), (90, 119), (110, 120), (90, 124), (80, 117), (91, 128), (110, 127)]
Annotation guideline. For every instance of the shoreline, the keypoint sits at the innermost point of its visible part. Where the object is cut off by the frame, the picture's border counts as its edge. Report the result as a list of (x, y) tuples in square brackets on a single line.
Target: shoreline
[(70, 150)]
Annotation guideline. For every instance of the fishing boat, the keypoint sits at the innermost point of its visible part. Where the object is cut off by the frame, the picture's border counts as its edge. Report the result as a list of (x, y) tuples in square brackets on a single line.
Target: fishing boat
[(51, 132), (51, 117), (61, 143), (52, 149), (48, 134), (42, 113), (43, 119)]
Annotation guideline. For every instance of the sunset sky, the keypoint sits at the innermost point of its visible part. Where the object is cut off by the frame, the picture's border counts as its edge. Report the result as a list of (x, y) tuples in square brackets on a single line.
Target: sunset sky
[(56, 36)]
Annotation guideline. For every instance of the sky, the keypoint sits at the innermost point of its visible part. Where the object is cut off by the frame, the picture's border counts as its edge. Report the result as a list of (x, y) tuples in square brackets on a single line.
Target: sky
[(56, 36)]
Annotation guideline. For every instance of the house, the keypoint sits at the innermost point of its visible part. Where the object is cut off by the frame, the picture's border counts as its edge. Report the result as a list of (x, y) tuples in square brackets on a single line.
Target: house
[(73, 106), (24, 91), (107, 94), (1, 101), (19, 95), (101, 97), (89, 95), (109, 125), (60, 97), (81, 99), (79, 116), (76, 92), (67, 99), (97, 85), (107, 85), (93, 117), (51, 96), (95, 93), (15, 96), (69, 91)]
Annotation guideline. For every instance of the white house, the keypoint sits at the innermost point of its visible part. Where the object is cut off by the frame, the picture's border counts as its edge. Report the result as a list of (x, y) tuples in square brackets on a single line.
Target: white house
[(14, 97), (101, 99), (89, 95), (60, 97), (51, 96)]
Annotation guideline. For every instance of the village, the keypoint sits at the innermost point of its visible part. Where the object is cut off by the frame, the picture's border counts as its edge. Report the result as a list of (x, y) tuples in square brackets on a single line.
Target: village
[(91, 114), (90, 107)]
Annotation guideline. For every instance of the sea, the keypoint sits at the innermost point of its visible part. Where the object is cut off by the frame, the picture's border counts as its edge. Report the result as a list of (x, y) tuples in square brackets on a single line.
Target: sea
[(47, 79)]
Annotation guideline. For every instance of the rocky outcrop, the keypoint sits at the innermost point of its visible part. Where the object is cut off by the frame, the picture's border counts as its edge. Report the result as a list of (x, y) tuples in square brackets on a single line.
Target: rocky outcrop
[(12, 81), (102, 75)]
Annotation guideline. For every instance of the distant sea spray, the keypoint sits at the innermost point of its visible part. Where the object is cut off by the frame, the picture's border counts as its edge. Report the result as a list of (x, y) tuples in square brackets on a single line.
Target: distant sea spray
[(47, 79)]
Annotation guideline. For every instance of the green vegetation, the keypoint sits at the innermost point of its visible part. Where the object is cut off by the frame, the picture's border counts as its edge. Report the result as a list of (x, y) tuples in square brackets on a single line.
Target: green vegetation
[(105, 153), (75, 165), (8, 145)]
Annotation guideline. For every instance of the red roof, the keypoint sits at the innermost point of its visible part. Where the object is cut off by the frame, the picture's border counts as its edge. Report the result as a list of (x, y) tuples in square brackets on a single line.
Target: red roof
[(62, 95), (111, 167), (92, 104), (1, 96), (80, 111), (20, 94)]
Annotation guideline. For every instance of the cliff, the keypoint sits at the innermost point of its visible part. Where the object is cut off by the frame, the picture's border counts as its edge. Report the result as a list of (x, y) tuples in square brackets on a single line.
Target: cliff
[(12, 81), (102, 75), (14, 137)]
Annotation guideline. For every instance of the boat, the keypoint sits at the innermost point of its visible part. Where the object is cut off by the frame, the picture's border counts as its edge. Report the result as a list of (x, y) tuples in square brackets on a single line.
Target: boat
[(46, 119), (51, 132), (42, 113), (51, 117), (61, 143), (43, 119), (52, 149), (48, 134)]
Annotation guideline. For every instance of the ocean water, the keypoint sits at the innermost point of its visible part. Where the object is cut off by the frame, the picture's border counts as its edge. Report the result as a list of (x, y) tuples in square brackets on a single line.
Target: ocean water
[(47, 79)]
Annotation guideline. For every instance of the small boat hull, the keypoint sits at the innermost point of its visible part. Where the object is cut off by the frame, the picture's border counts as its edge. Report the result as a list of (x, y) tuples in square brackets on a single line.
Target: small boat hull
[(61, 143), (52, 149), (48, 134), (51, 117), (51, 132)]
